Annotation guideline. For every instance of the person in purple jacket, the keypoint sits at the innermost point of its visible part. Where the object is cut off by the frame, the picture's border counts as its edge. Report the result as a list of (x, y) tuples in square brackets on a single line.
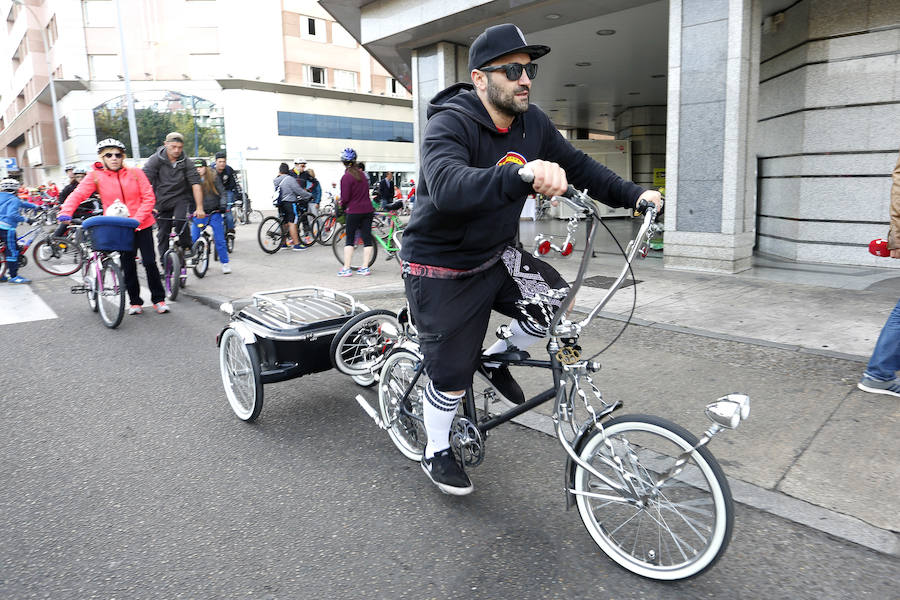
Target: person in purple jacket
[(459, 252), (357, 204)]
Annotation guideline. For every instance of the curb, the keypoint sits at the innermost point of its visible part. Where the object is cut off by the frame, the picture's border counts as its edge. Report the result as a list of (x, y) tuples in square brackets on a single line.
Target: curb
[(787, 507)]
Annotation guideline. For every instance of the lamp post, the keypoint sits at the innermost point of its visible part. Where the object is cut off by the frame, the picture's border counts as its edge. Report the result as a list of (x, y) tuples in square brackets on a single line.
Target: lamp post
[(132, 125), (196, 133), (61, 155)]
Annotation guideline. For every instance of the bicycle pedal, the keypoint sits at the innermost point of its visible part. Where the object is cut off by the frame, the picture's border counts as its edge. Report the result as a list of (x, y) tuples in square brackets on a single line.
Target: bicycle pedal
[(78, 289)]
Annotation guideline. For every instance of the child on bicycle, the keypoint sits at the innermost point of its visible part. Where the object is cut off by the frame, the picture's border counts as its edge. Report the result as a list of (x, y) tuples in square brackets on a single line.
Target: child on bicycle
[(10, 216), (214, 205)]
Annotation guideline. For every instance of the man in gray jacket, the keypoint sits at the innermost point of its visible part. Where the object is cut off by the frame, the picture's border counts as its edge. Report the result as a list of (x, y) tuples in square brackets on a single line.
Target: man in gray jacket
[(175, 183)]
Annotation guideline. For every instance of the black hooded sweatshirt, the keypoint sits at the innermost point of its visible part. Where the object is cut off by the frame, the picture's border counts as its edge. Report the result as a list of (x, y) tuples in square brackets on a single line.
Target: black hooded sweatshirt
[(470, 195)]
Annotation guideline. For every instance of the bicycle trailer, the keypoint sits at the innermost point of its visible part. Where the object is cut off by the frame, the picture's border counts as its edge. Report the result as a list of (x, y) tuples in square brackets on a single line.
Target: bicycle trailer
[(279, 335)]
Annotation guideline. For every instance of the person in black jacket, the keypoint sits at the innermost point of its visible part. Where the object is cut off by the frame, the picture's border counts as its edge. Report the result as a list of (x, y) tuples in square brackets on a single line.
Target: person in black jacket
[(228, 177), (77, 175), (386, 190), (459, 255), (175, 183)]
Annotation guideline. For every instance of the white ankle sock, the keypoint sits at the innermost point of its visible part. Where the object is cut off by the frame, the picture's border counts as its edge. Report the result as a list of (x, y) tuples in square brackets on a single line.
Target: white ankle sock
[(438, 411), (520, 339)]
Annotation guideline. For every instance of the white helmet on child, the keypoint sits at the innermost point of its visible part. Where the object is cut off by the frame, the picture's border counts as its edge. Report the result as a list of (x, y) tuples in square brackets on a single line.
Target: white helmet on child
[(9, 185)]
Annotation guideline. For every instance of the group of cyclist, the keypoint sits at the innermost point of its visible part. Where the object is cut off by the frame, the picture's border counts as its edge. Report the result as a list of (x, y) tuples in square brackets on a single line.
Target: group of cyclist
[(170, 191)]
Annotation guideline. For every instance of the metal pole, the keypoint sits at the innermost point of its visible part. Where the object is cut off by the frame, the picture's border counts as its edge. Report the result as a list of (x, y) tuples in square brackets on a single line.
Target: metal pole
[(60, 153), (196, 136), (132, 123)]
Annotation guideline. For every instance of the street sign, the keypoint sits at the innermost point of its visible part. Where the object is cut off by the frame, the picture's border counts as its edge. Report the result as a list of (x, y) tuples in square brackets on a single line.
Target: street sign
[(10, 164)]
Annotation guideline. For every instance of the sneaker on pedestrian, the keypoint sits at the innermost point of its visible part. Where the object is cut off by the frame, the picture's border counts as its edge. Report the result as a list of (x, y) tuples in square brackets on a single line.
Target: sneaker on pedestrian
[(877, 386), (4, 279), (298, 247), (19, 279), (345, 273), (446, 473), (161, 307), (135, 309), (363, 271), (503, 381), (226, 268)]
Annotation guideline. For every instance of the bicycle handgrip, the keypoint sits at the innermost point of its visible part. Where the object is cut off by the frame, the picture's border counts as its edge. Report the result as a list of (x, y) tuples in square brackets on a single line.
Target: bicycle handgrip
[(528, 177)]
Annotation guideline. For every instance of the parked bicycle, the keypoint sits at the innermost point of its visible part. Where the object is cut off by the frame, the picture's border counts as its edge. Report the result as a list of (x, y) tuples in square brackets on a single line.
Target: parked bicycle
[(102, 279), (387, 231), (650, 494), (242, 211)]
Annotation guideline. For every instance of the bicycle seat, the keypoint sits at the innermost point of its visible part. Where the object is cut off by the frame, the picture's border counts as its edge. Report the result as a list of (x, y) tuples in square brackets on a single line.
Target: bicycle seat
[(393, 205)]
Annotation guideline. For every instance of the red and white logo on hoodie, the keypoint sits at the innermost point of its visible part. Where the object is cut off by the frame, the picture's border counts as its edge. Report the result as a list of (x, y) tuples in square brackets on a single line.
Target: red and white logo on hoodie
[(512, 158)]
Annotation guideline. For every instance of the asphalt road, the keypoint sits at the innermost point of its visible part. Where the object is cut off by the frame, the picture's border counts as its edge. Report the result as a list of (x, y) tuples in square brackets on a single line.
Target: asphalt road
[(125, 475)]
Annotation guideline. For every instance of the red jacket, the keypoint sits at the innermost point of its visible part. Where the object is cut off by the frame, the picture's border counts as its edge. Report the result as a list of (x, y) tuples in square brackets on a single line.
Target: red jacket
[(130, 185)]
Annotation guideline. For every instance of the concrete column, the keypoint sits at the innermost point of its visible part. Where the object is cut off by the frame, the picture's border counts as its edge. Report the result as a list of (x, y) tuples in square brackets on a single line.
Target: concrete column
[(712, 104), (645, 128), (434, 68)]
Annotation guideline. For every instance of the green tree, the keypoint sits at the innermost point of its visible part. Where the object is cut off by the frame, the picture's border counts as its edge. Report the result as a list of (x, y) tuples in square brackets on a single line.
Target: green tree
[(152, 127)]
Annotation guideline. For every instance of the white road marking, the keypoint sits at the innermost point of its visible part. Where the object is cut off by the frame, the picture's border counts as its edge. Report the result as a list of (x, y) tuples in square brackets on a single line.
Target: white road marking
[(18, 304)]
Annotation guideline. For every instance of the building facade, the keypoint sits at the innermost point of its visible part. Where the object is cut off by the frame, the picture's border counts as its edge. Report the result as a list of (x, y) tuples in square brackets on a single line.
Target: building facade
[(306, 90), (776, 123)]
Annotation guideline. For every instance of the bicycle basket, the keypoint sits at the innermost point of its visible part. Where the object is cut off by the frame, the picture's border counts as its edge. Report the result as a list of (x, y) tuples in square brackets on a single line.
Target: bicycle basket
[(110, 233)]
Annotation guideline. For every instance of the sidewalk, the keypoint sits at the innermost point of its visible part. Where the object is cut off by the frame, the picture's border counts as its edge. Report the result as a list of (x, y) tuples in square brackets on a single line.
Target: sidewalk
[(795, 337)]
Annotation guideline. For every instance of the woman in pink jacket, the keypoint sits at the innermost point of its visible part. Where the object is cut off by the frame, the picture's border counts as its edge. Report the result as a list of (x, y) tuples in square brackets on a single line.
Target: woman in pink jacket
[(114, 181)]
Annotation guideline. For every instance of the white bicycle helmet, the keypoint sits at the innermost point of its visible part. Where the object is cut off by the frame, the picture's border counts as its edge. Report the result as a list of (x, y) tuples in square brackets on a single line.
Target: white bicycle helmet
[(79, 171), (9, 185), (110, 143)]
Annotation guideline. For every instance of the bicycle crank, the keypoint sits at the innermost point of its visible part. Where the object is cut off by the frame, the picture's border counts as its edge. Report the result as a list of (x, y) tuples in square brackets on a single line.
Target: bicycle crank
[(466, 438)]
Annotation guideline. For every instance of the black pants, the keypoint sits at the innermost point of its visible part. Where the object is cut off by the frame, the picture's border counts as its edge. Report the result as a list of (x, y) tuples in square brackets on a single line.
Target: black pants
[(361, 222), (143, 241), (452, 315), (166, 219)]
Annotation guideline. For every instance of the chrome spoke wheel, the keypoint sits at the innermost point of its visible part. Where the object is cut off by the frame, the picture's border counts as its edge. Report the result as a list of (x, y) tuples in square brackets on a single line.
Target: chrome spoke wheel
[(403, 418), (240, 370), (364, 342), (670, 531)]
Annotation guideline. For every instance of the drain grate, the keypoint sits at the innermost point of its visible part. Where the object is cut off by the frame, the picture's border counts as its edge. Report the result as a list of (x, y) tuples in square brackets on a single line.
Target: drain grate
[(603, 281)]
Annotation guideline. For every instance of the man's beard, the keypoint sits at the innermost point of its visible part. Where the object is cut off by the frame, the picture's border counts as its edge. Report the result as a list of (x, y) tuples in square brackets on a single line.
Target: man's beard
[(507, 103)]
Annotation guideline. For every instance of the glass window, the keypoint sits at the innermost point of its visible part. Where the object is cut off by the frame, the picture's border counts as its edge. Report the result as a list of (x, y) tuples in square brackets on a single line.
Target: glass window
[(314, 75), (345, 80), (313, 29), (341, 127)]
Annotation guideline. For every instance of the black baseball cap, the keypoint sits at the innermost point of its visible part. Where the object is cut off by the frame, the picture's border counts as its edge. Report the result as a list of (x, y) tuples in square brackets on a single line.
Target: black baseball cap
[(199, 162), (498, 40)]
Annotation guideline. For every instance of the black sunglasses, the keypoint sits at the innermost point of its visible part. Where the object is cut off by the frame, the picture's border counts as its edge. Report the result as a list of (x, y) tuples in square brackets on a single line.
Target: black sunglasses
[(514, 70), (113, 155)]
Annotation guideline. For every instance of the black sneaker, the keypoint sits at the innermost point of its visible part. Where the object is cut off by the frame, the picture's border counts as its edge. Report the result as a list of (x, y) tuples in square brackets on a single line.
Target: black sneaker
[(504, 383), (447, 474)]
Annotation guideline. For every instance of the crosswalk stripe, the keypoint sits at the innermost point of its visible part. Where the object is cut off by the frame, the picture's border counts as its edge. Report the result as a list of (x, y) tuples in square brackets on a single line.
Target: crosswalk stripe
[(19, 304)]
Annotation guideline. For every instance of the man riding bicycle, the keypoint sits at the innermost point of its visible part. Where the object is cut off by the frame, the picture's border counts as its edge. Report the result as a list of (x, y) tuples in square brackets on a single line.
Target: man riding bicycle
[(459, 254)]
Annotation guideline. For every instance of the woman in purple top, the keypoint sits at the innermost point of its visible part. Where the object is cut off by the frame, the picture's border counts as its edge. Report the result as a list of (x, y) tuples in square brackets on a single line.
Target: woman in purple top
[(356, 202)]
